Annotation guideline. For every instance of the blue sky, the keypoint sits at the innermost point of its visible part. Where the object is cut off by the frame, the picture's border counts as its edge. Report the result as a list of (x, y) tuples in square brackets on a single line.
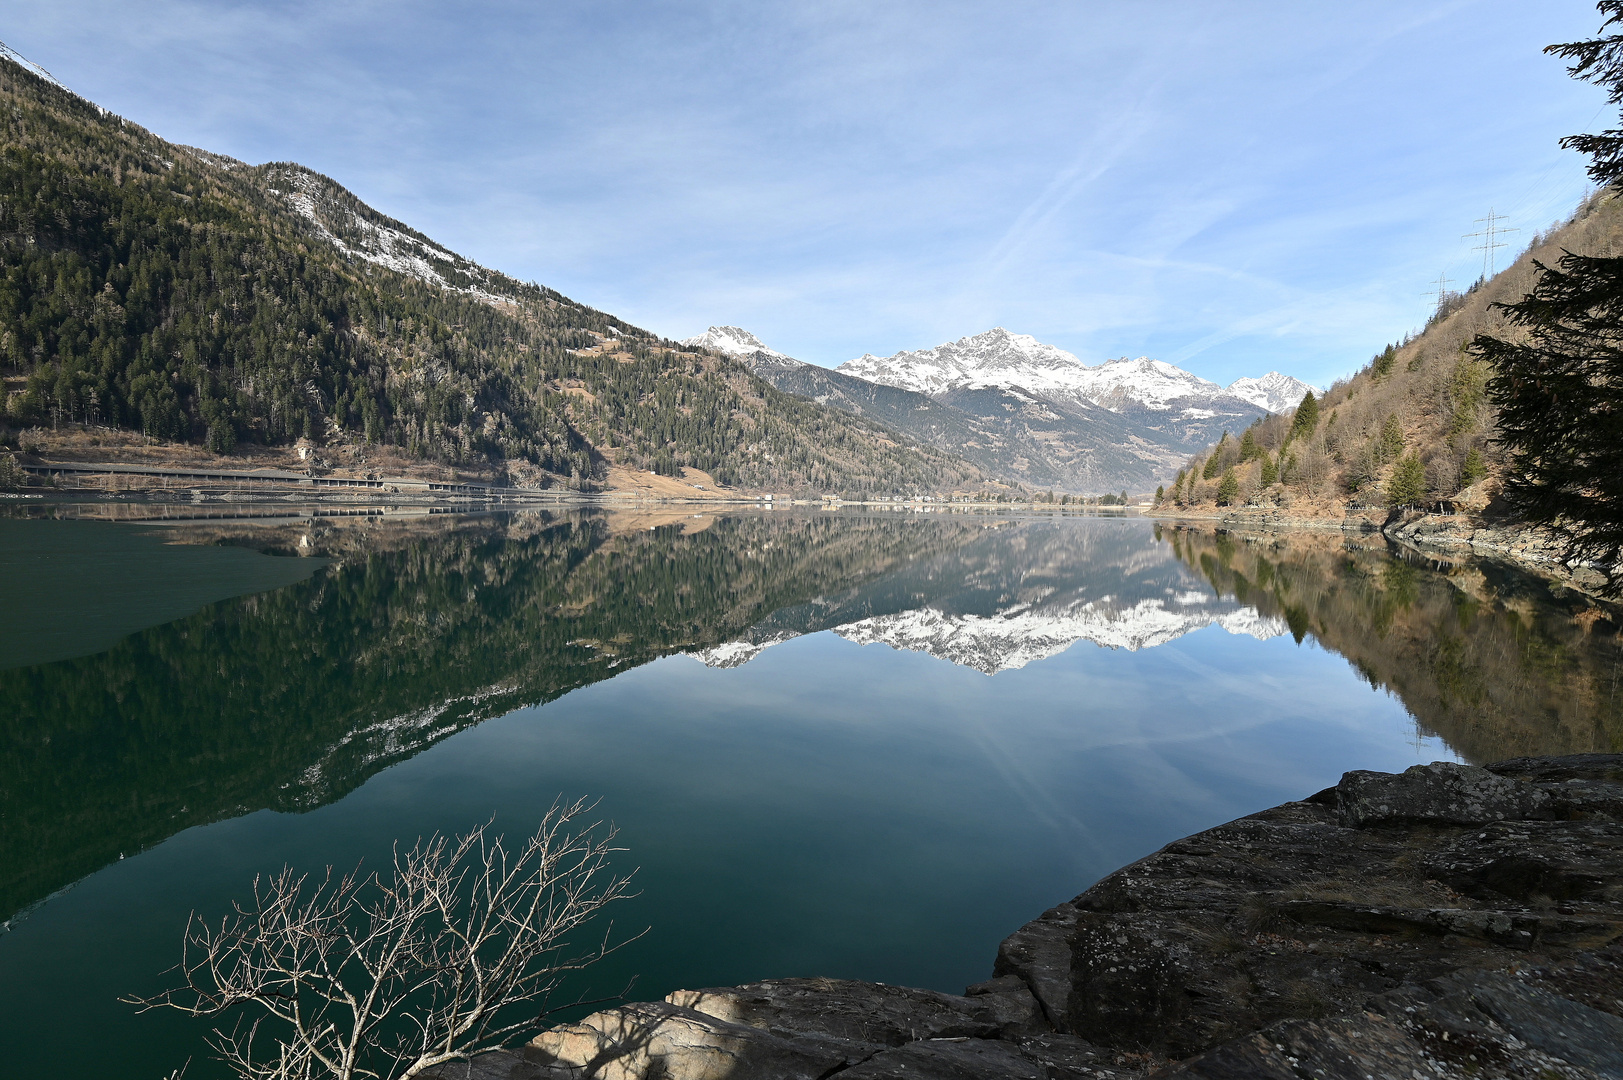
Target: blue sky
[(1234, 187)]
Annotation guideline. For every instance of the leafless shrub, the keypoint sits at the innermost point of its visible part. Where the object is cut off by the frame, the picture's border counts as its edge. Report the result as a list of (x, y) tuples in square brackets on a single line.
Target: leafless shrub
[(458, 951)]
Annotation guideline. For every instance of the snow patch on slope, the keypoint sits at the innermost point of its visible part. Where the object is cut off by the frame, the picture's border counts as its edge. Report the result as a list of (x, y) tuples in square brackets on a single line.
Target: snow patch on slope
[(22, 61), (316, 198)]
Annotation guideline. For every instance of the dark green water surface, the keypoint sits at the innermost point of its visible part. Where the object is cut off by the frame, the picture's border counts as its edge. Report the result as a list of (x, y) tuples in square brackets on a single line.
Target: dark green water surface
[(846, 745)]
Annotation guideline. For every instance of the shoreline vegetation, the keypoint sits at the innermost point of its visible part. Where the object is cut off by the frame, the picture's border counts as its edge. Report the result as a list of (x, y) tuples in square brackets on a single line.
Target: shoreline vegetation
[(1411, 446), (1437, 535)]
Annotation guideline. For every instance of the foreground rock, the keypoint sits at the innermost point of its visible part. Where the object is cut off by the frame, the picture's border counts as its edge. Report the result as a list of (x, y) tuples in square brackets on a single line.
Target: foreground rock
[(1447, 922)]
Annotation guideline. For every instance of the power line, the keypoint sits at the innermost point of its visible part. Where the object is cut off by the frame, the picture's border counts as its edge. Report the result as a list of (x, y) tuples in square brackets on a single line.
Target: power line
[(1443, 282), (1521, 202), (1488, 247)]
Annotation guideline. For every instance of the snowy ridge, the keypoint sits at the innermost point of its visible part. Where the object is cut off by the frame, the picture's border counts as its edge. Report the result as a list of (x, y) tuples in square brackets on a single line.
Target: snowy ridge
[(991, 644), (1274, 392), (397, 736), (22, 61), (1009, 361), (1021, 635), (337, 217), (1146, 384), (736, 341), (994, 358)]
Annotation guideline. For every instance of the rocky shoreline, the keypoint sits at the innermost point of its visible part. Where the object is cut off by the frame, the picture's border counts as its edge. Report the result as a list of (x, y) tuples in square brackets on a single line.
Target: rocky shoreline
[(1447, 534), (1449, 921)]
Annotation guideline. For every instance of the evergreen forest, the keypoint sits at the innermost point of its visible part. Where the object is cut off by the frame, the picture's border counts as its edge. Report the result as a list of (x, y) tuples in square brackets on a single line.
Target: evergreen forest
[(194, 299)]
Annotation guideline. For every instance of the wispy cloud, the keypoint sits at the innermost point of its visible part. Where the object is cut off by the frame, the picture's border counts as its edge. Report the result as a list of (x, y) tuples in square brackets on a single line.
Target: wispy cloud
[(1236, 188)]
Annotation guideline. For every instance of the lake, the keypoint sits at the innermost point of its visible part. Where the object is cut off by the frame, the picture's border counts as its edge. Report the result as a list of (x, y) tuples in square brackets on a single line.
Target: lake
[(854, 744)]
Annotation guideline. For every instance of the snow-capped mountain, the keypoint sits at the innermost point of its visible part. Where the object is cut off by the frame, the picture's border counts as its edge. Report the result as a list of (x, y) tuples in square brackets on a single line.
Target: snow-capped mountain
[(1025, 410), (1147, 384), (999, 358), (1274, 391), (995, 358), (736, 341), (731, 654)]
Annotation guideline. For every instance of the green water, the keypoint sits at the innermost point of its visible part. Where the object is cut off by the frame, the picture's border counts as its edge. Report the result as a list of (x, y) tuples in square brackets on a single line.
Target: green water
[(841, 745), (71, 588)]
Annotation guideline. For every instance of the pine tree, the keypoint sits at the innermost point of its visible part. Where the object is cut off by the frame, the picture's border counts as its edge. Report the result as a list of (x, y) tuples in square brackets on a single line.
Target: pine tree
[(1248, 445), (1473, 469), (1228, 489), (1214, 464), (1408, 483), (1559, 385), (1381, 366), (1270, 470), (1160, 494), (1306, 418), (1391, 439)]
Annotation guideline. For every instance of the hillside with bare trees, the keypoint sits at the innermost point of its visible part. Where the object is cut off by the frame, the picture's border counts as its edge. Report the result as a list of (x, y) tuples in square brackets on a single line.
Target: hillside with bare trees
[(1413, 428)]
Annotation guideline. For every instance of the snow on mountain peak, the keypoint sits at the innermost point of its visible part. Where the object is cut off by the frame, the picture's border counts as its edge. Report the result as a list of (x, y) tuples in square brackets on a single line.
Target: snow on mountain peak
[(999, 358), (22, 61), (1274, 391), (736, 341), (993, 358), (1146, 383)]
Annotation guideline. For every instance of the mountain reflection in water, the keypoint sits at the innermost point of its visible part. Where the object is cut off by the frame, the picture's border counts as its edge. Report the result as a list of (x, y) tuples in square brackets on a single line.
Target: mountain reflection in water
[(1003, 710), (292, 698), (1495, 660), (1017, 594)]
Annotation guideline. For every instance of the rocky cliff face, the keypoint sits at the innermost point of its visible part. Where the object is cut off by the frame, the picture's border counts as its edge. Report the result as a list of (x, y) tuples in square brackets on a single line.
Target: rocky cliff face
[(1448, 922)]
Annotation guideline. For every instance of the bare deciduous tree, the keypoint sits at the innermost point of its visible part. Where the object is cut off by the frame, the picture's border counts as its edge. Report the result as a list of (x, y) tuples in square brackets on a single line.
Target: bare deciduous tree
[(457, 952)]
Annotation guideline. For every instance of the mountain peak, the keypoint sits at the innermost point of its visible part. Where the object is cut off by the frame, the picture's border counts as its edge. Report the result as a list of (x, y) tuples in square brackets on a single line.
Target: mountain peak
[(1001, 358), (736, 341), (995, 357), (1274, 391)]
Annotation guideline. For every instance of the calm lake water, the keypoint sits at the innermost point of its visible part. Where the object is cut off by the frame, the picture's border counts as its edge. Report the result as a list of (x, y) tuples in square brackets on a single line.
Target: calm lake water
[(854, 745)]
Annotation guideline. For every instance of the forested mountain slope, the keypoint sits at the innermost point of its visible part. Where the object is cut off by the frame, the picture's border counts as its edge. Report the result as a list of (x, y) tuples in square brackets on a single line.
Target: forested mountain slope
[(193, 298), (1414, 426)]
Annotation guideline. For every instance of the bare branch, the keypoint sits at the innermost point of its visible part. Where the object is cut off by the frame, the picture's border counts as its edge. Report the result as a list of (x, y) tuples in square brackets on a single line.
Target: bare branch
[(456, 950)]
